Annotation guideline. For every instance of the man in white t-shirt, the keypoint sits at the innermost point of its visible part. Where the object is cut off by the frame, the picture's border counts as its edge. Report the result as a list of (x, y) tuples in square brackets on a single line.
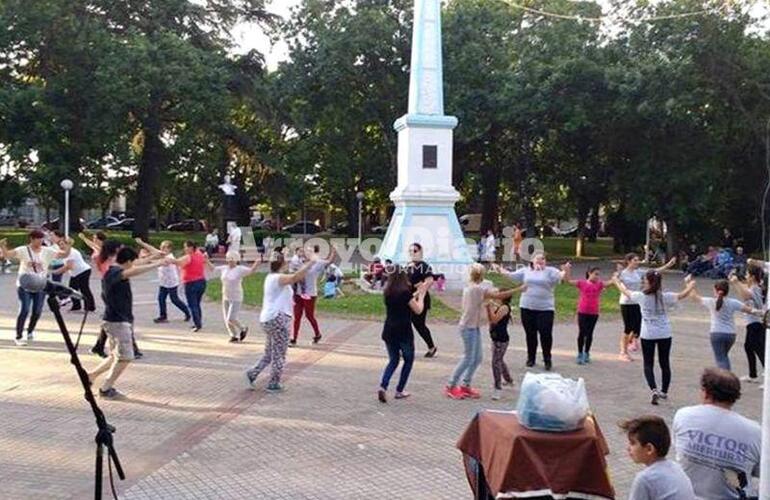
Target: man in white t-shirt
[(33, 258), (718, 448)]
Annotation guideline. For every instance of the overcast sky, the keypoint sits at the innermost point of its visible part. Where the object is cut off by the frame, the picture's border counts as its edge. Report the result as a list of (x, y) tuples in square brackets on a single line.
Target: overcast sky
[(250, 37)]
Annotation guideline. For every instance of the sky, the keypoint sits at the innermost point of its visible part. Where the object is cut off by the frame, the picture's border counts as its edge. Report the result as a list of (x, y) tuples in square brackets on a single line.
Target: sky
[(250, 37)]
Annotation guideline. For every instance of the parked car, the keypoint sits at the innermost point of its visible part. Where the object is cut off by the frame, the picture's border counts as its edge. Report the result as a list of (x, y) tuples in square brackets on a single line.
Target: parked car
[(340, 228), (126, 224), (188, 225), (264, 225), (52, 225), (470, 223), (303, 227), (380, 229), (101, 222), (9, 220)]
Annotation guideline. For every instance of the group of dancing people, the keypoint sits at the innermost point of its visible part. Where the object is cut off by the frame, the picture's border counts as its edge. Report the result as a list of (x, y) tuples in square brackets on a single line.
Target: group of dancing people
[(645, 308)]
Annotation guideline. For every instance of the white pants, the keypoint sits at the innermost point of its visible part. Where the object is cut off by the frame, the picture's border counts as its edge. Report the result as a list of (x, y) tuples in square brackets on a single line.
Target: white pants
[(230, 310)]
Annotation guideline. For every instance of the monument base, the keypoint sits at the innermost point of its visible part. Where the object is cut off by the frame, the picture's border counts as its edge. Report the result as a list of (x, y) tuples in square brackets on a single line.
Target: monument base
[(436, 228)]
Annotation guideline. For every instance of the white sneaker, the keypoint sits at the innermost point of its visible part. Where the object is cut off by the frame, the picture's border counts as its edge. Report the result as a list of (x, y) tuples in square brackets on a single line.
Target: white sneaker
[(750, 380), (496, 395), (20, 342), (30, 337)]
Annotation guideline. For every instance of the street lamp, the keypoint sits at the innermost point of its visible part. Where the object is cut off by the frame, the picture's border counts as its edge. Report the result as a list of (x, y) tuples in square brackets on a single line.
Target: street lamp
[(67, 186), (360, 198)]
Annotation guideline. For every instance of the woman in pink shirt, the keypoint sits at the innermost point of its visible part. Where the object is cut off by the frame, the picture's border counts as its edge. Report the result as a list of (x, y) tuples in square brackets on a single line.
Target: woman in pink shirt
[(591, 290)]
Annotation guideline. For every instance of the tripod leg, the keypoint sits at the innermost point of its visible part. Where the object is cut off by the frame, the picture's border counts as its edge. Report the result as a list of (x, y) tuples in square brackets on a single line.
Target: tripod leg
[(99, 465)]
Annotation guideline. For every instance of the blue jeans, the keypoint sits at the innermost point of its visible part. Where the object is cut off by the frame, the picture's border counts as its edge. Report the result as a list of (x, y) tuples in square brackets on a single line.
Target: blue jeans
[(721, 344), (194, 291), (471, 358), (25, 300), (404, 348), (171, 293)]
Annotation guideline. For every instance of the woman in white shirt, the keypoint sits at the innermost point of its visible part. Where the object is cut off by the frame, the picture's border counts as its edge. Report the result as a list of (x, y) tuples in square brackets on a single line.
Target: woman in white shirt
[(723, 309), (538, 304), (33, 258), (277, 310), (168, 280), (80, 274), (656, 327), (232, 276)]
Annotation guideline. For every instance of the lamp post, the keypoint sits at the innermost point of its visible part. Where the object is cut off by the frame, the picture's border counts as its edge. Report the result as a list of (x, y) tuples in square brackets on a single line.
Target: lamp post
[(67, 186), (360, 198)]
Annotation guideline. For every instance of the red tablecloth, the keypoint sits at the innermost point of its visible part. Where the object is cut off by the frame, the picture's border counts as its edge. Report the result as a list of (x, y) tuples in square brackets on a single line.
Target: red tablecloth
[(518, 462)]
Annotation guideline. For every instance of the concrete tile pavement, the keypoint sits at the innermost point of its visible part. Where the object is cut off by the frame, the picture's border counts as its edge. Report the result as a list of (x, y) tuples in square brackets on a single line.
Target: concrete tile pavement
[(189, 428)]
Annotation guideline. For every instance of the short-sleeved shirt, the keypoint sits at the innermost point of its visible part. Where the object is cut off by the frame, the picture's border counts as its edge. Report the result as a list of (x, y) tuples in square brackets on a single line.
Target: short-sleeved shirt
[(117, 296), (710, 439), (541, 284), (276, 299), (756, 302), (723, 320), (590, 293), (632, 279), (398, 318), (655, 322), (168, 274), (310, 283), (418, 272), (662, 480), (232, 281), (79, 265), (31, 262)]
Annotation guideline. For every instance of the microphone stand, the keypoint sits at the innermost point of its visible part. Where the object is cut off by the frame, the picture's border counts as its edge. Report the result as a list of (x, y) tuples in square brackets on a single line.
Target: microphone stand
[(104, 434)]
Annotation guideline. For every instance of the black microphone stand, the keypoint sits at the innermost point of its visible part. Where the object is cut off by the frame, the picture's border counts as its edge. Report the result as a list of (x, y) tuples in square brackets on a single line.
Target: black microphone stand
[(104, 434)]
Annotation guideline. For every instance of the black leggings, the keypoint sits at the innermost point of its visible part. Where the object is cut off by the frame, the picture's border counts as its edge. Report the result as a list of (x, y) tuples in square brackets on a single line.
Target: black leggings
[(586, 325), (535, 322), (664, 352), (418, 320), (755, 346), (81, 284)]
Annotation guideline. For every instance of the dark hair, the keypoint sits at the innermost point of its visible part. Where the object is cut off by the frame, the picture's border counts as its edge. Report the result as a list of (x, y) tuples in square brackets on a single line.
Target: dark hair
[(35, 234), (276, 262), (723, 288), (101, 236), (191, 244), (59, 234), (417, 246), (721, 385), (592, 270), (126, 254), (759, 277), (506, 301), (109, 249), (316, 248), (649, 429), (655, 282), (398, 283), (629, 257)]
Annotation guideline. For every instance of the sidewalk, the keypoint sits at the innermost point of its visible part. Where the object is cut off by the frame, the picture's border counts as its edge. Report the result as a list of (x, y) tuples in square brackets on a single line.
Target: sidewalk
[(190, 429)]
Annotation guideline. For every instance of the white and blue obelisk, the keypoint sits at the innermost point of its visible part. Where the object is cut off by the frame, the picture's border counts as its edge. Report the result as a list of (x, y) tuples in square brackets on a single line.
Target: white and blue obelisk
[(425, 197)]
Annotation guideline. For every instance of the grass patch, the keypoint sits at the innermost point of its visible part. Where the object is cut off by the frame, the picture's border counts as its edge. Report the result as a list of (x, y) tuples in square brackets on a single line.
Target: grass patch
[(355, 302)]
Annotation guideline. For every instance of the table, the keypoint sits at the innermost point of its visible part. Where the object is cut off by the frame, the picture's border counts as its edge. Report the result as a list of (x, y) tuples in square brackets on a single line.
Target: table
[(504, 459)]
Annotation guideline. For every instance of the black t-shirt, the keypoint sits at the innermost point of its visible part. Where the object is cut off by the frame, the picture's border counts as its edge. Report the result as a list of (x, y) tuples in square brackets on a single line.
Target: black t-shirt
[(418, 272), (499, 332), (398, 319), (116, 293)]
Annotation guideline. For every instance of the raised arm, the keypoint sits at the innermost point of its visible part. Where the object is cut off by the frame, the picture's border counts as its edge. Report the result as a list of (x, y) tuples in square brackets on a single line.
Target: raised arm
[(8, 253), (566, 272), (136, 270), (743, 290), (623, 289), (290, 279), (495, 316), (147, 246), (667, 265), (89, 242), (689, 288), (503, 294)]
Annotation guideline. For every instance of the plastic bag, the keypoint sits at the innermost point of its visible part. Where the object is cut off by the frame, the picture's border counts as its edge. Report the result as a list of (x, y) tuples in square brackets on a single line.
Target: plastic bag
[(550, 402)]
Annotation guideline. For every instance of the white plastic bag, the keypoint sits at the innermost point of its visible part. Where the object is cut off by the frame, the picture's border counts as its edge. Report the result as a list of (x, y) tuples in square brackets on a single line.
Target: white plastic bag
[(550, 402)]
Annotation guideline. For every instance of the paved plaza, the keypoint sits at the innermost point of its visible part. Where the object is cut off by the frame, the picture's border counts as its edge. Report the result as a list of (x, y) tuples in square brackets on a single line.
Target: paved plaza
[(190, 429)]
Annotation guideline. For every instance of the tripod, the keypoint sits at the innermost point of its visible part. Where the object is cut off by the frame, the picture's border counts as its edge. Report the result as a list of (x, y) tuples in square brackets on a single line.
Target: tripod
[(104, 434)]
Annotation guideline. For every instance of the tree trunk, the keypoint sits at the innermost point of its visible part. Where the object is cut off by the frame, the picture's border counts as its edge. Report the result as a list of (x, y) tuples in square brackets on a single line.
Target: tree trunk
[(671, 238), (525, 191), (490, 195), (582, 216), (149, 168), (595, 222)]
